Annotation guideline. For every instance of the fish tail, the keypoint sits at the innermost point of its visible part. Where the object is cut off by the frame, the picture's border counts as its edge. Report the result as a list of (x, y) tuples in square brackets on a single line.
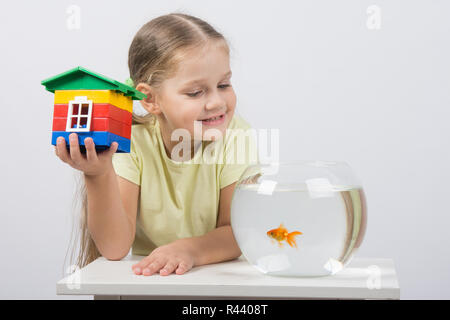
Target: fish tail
[(291, 238)]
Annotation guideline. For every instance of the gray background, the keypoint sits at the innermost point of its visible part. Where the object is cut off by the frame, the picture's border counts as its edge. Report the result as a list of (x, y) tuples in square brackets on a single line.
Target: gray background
[(337, 90)]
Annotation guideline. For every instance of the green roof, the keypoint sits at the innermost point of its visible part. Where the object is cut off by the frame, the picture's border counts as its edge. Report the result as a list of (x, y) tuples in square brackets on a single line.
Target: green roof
[(80, 78)]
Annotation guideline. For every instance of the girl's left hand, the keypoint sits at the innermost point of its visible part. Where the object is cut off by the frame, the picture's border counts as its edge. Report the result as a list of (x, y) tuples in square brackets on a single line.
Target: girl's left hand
[(176, 256)]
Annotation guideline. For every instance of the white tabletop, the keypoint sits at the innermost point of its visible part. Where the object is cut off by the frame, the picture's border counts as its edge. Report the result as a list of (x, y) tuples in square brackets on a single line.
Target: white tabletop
[(363, 278)]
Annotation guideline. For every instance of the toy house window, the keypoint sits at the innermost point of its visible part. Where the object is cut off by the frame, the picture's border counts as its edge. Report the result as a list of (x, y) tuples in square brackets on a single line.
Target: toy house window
[(79, 115)]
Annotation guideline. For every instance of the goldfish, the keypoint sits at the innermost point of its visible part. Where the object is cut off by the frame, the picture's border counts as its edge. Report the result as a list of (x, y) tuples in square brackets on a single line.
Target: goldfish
[(281, 234)]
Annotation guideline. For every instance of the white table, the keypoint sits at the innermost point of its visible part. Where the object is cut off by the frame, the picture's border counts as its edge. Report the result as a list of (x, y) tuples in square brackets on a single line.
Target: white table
[(363, 278)]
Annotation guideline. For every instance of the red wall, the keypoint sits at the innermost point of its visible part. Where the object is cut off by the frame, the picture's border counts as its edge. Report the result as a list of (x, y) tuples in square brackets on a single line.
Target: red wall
[(105, 117)]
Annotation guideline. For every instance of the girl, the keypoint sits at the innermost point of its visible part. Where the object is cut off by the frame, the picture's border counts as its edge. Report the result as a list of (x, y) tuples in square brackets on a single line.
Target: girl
[(176, 213)]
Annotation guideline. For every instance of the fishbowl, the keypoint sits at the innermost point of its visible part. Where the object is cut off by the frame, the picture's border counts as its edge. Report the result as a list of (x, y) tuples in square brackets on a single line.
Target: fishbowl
[(302, 219)]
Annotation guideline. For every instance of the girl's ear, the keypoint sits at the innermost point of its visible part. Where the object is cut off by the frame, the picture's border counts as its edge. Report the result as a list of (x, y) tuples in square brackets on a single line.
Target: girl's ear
[(149, 103)]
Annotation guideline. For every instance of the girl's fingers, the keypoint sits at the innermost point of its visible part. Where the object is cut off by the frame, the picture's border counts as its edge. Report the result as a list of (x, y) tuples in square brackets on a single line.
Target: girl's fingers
[(91, 153), (143, 263), (113, 148), (153, 267), (169, 268), (182, 268), (63, 154), (139, 267), (150, 265), (75, 153)]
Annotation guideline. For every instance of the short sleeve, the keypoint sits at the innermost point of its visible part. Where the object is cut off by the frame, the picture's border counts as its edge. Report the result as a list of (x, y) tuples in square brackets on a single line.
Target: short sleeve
[(128, 165), (240, 152)]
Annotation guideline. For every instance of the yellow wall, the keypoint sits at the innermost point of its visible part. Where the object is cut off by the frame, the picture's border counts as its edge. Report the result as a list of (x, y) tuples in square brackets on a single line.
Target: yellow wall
[(97, 96)]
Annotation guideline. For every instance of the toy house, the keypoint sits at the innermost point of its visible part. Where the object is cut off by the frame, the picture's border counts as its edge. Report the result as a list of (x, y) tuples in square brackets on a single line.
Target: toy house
[(93, 106)]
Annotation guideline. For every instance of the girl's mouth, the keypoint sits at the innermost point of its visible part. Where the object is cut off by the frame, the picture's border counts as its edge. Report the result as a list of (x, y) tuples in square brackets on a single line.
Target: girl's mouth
[(214, 121)]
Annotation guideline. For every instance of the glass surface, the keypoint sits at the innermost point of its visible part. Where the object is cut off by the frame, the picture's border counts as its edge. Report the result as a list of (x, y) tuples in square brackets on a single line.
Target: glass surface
[(299, 219)]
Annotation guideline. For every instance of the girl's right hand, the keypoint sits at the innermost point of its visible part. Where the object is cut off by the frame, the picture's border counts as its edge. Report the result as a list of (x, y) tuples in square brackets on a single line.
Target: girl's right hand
[(92, 163)]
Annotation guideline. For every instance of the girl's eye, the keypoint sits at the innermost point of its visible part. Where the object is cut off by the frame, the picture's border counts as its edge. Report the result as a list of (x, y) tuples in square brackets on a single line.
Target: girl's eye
[(194, 94)]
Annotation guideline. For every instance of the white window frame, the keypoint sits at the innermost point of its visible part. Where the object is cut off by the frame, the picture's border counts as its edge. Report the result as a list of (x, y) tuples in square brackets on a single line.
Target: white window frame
[(80, 101)]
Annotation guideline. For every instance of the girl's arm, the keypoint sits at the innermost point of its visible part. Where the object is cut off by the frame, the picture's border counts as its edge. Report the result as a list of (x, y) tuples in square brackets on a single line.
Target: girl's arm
[(112, 210), (111, 200), (181, 255), (219, 244)]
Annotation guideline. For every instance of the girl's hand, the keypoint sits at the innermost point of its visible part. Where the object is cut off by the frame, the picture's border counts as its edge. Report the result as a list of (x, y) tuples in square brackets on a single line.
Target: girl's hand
[(175, 256), (91, 163)]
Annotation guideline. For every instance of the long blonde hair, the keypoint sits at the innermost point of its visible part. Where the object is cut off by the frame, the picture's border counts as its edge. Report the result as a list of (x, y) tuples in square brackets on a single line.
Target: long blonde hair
[(154, 55)]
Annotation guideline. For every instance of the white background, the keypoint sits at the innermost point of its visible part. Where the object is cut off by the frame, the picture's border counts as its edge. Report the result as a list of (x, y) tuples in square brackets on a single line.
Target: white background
[(337, 90)]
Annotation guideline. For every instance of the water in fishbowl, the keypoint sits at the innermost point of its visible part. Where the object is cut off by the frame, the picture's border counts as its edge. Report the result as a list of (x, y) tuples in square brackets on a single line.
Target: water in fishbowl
[(298, 231)]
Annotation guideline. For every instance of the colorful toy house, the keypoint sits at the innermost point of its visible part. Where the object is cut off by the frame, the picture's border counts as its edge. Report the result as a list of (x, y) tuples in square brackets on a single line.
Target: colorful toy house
[(93, 106)]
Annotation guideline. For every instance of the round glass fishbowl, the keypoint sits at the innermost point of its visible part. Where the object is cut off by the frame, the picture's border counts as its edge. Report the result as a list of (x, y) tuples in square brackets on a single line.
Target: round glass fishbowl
[(300, 219)]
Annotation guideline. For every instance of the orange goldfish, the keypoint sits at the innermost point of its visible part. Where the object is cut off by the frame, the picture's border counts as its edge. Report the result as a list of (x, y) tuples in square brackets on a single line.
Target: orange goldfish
[(281, 234)]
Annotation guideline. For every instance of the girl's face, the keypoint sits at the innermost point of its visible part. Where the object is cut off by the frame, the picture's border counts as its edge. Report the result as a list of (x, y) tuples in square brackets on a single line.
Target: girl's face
[(201, 89)]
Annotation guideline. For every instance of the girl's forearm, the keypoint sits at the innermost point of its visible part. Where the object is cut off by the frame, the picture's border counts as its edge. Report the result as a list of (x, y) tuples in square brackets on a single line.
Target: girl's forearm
[(107, 221), (216, 246)]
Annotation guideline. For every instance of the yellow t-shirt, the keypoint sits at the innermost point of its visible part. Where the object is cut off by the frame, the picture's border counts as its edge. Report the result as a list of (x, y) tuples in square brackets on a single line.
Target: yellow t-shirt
[(181, 199)]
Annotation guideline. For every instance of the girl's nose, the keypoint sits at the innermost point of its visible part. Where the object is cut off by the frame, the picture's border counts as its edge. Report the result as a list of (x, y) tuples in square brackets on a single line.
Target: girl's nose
[(216, 101)]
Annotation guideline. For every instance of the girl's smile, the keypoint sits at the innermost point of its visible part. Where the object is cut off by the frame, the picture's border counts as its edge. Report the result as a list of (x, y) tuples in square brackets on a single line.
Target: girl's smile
[(214, 120)]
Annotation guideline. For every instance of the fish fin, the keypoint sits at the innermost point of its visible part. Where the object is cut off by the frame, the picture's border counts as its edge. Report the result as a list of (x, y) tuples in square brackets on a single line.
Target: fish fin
[(291, 242), (282, 228)]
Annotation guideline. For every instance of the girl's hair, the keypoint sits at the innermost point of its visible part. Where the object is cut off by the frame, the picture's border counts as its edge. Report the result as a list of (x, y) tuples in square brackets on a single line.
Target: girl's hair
[(154, 55)]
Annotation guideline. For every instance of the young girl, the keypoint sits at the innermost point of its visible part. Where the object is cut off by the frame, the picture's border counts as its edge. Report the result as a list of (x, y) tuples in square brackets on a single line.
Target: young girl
[(176, 213)]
